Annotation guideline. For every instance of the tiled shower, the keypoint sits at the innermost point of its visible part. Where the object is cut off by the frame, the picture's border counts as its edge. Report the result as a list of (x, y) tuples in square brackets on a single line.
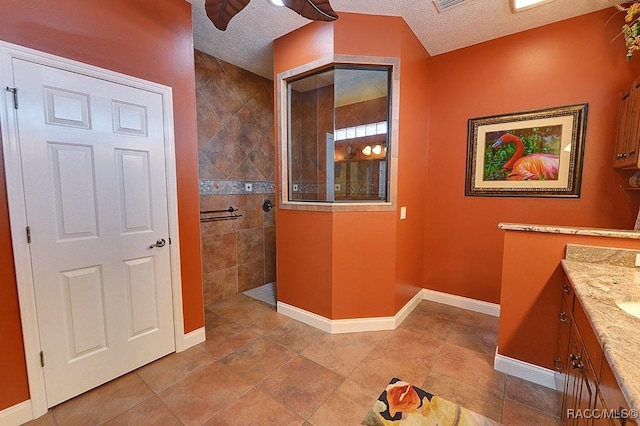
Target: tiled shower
[(236, 168)]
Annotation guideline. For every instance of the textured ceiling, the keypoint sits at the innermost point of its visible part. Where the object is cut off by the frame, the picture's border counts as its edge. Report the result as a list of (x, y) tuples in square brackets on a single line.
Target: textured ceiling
[(248, 41)]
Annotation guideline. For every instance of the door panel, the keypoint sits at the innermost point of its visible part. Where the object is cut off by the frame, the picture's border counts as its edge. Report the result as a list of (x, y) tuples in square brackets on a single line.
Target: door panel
[(135, 202), (84, 312), (93, 161), (74, 190), (141, 296)]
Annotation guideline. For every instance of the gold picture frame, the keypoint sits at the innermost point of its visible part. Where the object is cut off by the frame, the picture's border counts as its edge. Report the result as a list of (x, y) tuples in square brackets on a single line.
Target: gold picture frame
[(527, 154)]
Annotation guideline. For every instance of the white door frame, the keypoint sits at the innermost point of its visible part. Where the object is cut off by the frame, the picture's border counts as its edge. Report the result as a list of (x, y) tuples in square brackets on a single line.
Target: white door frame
[(18, 214)]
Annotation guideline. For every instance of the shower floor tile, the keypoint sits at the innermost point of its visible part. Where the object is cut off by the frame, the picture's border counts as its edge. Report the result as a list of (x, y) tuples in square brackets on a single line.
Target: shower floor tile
[(265, 293)]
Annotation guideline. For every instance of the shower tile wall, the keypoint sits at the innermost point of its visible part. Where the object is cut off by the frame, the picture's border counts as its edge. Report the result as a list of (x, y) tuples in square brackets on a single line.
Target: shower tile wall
[(235, 141)]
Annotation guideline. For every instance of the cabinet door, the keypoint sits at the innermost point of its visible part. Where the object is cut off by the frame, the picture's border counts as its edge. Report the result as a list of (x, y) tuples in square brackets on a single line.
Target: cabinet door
[(622, 130), (600, 418), (588, 391), (574, 380), (633, 125), (562, 360), (612, 395)]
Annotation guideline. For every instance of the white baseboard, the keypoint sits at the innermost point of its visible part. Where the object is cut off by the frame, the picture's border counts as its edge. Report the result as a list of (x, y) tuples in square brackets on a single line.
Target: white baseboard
[(16, 415), (524, 370), (350, 325), (408, 308), (386, 323), (481, 306), (193, 338)]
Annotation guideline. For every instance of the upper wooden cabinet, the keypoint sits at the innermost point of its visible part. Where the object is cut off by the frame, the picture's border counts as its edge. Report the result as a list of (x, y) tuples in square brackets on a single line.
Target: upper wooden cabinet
[(628, 128)]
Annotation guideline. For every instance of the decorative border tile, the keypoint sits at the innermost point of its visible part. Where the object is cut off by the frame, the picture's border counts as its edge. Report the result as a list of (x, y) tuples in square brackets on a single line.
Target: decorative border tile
[(235, 187)]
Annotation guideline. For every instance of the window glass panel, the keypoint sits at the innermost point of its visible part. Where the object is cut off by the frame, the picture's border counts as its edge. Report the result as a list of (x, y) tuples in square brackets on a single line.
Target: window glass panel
[(338, 135)]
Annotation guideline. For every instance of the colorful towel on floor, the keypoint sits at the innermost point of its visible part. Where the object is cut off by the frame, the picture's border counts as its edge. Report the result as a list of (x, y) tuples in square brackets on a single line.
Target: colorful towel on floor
[(402, 404)]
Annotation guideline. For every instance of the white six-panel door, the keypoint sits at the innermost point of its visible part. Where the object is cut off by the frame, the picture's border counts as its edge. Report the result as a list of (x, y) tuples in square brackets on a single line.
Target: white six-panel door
[(93, 162)]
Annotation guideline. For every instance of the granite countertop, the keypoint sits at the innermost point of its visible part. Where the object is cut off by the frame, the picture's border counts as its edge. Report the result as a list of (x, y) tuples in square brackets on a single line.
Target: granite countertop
[(599, 287), (571, 230)]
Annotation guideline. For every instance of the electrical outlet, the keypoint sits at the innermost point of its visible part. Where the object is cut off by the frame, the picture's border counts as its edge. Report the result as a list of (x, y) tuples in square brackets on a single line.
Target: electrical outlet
[(295, 187), (336, 187), (637, 259), (248, 187), (403, 213)]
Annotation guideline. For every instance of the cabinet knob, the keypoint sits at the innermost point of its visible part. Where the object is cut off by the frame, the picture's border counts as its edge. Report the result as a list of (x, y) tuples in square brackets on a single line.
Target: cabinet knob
[(565, 288), (563, 317), (558, 364)]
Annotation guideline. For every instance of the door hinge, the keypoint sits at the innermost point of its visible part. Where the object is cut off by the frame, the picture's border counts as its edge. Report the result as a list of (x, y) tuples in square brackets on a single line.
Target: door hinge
[(13, 90), (42, 358), (28, 235)]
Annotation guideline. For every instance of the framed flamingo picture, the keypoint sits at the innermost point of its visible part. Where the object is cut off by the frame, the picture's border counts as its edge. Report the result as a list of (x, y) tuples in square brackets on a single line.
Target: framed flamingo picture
[(527, 154)]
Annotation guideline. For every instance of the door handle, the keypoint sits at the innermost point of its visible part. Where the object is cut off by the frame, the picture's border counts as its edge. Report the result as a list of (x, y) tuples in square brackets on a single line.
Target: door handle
[(160, 243)]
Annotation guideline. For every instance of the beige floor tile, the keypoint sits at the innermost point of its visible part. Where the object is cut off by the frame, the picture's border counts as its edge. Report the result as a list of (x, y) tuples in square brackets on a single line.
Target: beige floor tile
[(439, 310), (262, 319), (301, 385), (425, 323), (257, 360), (255, 408), (295, 335), (204, 394), (348, 405), (103, 403), (166, 371), (477, 339), (514, 414), (470, 367), (410, 344), (259, 367), (533, 395), (467, 395), (150, 412), (476, 319), (45, 420), (236, 308), (213, 320), (405, 354), (223, 340), (378, 370), (340, 352)]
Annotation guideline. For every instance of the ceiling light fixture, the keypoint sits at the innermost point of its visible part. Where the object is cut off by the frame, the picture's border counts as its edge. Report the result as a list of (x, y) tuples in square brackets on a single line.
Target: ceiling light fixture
[(276, 2), (520, 5)]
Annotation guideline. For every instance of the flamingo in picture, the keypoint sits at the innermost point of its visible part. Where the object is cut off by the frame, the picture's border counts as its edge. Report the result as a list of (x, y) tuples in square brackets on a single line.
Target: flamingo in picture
[(535, 166)]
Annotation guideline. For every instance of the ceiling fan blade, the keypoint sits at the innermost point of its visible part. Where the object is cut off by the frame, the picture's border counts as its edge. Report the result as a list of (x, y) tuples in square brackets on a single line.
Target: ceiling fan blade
[(316, 10), (221, 11)]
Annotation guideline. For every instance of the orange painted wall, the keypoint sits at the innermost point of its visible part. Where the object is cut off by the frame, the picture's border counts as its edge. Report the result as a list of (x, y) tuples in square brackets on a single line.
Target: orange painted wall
[(363, 264), (530, 296), (304, 281), (572, 61), (149, 39), (412, 166), (304, 260), (13, 378), (376, 262)]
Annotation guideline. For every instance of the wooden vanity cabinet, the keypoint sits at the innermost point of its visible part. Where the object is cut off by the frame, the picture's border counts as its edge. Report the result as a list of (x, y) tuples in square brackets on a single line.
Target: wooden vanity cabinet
[(611, 393), (590, 387), (628, 128)]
